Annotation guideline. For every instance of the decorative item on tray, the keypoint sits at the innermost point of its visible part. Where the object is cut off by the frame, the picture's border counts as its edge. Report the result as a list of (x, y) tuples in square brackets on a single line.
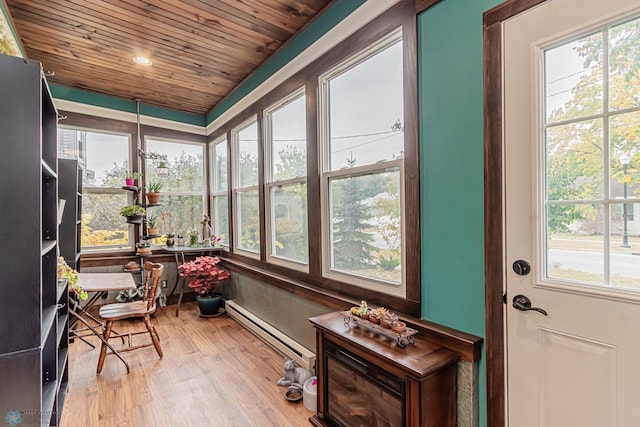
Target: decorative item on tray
[(380, 320)]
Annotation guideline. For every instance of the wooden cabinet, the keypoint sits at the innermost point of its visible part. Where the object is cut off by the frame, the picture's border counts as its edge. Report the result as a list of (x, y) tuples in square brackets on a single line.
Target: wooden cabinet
[(70, 190), (33, 355), (366, 378)]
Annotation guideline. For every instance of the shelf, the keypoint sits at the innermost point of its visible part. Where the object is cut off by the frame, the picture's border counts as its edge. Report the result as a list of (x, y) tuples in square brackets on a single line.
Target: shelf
[(62, 288), (150, 205), (62, 320), (48, 397), (134, 189), (48, 170), (47, 246), (48, 317), (63, 354)]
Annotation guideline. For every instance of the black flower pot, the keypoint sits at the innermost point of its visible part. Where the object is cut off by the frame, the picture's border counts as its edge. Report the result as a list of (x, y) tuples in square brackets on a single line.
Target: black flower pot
[(210, 305)]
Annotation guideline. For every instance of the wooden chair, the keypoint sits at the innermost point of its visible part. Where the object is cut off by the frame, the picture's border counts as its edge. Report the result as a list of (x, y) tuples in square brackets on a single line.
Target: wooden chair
[(130, 310)]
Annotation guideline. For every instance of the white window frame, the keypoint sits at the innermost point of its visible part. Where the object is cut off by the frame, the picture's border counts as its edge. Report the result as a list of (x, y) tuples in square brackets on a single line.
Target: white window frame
[(235, 182), (214, 195), (203, 192), (271, 183), (107, 190), (326, 174)]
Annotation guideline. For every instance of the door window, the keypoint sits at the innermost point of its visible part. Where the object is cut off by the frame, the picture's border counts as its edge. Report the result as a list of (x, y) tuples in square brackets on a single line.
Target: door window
[(592, 157)]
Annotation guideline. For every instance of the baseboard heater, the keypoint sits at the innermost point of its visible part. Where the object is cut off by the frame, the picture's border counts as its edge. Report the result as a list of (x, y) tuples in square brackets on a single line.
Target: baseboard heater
[(273, 337)]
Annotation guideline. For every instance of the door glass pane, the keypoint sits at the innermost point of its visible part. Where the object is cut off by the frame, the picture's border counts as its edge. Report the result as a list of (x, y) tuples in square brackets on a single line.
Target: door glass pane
[(592, 158), (289, 222), (573, 79), (624, 41), (625, 245), (625, 159), (248, 221), (575, 161), (575, 246)]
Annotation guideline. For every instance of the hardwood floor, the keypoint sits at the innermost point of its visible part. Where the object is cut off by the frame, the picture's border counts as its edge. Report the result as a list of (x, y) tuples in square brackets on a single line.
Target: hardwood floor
[(214, 373)]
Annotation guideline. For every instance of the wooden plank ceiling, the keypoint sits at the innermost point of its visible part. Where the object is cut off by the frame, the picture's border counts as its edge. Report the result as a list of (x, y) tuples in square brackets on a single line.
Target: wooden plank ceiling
[(201, 49)]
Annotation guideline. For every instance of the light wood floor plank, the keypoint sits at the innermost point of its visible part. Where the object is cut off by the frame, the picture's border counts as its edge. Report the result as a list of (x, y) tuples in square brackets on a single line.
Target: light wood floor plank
[(214, 373)]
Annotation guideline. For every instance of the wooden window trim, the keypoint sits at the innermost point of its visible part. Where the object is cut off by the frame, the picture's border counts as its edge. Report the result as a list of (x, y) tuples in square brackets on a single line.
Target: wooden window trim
[(494, 205), (400, 15)]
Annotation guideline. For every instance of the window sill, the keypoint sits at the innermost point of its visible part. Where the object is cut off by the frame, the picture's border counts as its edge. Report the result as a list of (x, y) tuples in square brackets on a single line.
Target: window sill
[(469, 346)]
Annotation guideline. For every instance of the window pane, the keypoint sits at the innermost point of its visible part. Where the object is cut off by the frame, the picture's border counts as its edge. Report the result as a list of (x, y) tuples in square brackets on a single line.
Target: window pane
[(573, 81), (625, 156), (575, 161), (221, 218), (105, 158), (593, 242), (365, 225), (576, 252), (178, 214), (247, 140), (186, 166), (289, 140), (220, 169), (624, 73), (248, 221), (625, 245), (366, 111), (289, 222), (72, 144), (102, 225)]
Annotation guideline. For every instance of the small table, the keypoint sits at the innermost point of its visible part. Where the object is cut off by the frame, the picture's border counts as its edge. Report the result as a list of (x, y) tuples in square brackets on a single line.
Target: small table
[(99, 284), (178, 253)]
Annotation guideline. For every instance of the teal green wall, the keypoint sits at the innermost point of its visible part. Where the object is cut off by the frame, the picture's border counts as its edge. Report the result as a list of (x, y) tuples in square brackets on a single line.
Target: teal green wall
[(128, 105), (451, 152), (452, 170)]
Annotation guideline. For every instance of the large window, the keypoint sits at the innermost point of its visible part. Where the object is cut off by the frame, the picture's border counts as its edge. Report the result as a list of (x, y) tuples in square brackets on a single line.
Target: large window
[(219, 190), (245, 187), (183, 189), (105, 158), (362, 167), (286, 180), (325, 173)]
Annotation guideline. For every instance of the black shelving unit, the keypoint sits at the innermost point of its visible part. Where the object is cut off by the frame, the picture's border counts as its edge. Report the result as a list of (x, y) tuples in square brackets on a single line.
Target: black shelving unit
[(70, 190), (33, 348)]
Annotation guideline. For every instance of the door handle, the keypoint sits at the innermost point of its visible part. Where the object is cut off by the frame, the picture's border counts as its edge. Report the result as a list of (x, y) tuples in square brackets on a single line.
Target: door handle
[(523, 303)]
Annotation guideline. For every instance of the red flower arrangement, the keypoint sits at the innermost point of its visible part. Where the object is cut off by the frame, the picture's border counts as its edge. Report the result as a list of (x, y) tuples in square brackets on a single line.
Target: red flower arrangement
[(206, 277)]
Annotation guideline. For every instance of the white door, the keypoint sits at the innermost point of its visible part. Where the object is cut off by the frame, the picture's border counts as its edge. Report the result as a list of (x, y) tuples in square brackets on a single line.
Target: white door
[(572, 160)]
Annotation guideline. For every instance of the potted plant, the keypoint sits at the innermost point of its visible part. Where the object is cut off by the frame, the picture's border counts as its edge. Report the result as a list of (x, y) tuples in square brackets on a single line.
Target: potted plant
[(152, 225), (180, 239), (133, 213), (130, 178), (153, 192), (206, 279)]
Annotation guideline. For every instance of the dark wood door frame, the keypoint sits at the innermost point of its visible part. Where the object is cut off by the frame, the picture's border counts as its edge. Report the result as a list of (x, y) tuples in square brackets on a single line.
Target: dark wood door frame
[(494, 205)]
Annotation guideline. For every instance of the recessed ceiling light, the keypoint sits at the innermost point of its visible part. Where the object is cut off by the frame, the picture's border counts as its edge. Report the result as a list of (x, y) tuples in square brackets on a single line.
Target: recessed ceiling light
[(142, 60)]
